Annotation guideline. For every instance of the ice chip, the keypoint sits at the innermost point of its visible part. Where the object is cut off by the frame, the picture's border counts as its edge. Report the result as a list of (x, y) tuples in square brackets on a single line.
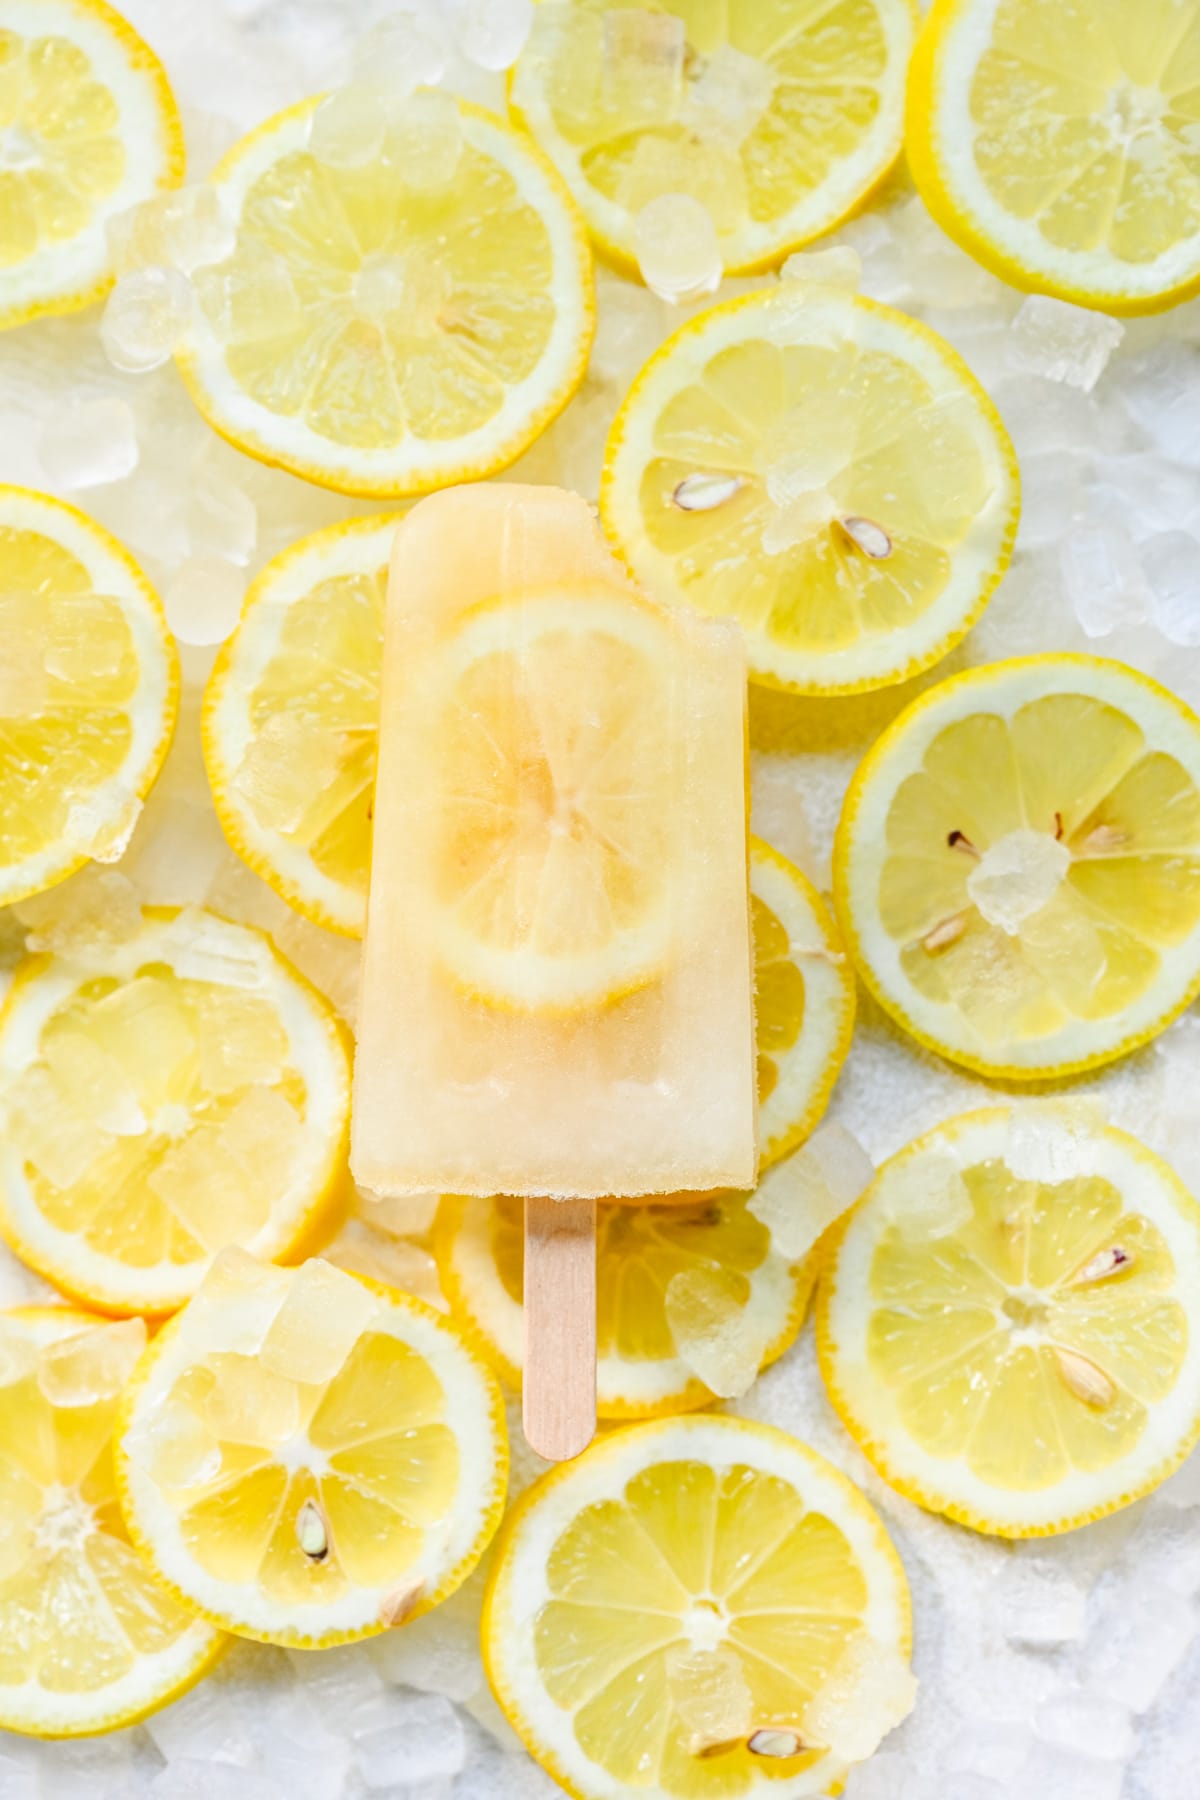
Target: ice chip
[(145, 319), (676, 244), (417, 1738), (1062, 342), (1081, 1722), (426, 139), (91, 1365), (438, 1653), (630, 325), (1051, 1770), (89, 443), (885, 1777), (249, 1048), (801, 1197), (101, 825), (238, 1300), (250, 299), (49, 1131), (202, 1725), (253, 1405), (18, 1358), (492, 33), (1102, 577), (926, 1197), (325, 1313), (1017, 876), (713, 1331), (1157, 387), (1051, 1140), (220, 1180), (1171, 561), (839, 269), (870, 1691), (1140, 1635), (727, 98), (361, 1249), (177, 1450), (97, 1084), (710, 1697), (205, 948), (222, 519), (204, 598), (183, 229), (1038, 1600), (349, 126), (642, 64), (408, 49)]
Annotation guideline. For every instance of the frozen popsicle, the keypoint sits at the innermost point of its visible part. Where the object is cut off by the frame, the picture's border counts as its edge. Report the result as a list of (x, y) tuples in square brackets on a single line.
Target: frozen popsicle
[(556, 989)]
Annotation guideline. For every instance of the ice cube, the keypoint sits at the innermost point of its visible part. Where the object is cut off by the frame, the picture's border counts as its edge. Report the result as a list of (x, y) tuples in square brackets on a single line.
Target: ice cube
[(362, 1250), (422, 1740), (340, 1684), (1166, 1548), (89, 443), (713, 1330), (800, 1198), (1052, 1140), (101, 825), (1076, 1720), (1053, 496), (728, 97), (711, 1699), (1171, 560), (1147, 492), (886, 1776), (1142, 1632), (989, 1751), (18, 1358), (1038, 1600), (1158, 388), (222, 519), (1102, 577), (49, 1132), (90, 1366), (349, 126), (202, 1725), (222, 1179), (676, 245), (204, 948), (95, 1081), (1062, 342), (323, 1316), (145, 319), (252, 1405), (177, 1449), (426, 140), (839, 269), (251, 299), (175, 851), (927, 1197), (1182, 1490), (1049, 1769), (642, 64), (408, 49), (249, 1047), (198, 1778), (204, 598), (630, 325), (439, 1653), (492, 33), (184, 229), (1017, 876), (869, 1691), (237, 1301)]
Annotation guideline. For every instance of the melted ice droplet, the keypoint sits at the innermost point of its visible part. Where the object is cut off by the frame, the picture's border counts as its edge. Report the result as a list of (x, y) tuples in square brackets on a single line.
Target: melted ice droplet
[(677, 248), (1017, 876), (145, 319)]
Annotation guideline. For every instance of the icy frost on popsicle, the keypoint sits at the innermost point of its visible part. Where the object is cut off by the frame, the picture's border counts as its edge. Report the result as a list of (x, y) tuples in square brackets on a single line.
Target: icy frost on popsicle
[(556, 987)]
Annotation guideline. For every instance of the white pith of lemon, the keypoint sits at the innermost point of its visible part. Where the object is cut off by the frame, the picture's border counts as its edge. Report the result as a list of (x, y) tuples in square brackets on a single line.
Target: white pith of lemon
[(1088, 764), (851, 429), (826, 128), (89, 1641), (470, 335), (88, 126), (88, 692), (1033, 1361), (164, 1096), (306, 1457), (1058, 144)]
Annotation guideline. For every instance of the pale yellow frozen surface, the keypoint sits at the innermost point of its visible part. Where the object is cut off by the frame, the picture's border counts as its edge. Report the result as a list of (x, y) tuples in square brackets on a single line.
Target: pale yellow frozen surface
[(556, 992)]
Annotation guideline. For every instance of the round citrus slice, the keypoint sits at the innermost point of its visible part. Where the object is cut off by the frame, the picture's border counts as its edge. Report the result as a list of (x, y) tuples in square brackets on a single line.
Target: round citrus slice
[(306, 1457), (824, 470), (165, 1094), (1017, 865), (705, 1254), (88, 127), (1007, 1321), (88, 692), (1058, 145), (697, 1606), (778, 120), (291, 720), (804, 1001), (89, 1640), (393, 325)]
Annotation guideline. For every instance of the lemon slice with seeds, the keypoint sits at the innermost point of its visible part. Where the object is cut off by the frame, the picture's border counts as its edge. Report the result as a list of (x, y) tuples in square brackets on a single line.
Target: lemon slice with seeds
[(306, 1457), (89, 1641), (1017, 866), (88, 127), (663, 1613), (381, 333), (291, 720), (88, 692), (824, 470), (640, 1370), (163, 1096), (1059, 144), (1007, 1321), (779, 118)]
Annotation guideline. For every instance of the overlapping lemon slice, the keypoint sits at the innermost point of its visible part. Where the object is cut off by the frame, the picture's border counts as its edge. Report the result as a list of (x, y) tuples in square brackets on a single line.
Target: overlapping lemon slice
[(88, 127), (1017, 866), (89, 686), (697, 1606), (165, 1094), (394, 324), (306, 1457), (89, 1640), (778, 117), (824, 470), (1059, 144), (1008, 1320)]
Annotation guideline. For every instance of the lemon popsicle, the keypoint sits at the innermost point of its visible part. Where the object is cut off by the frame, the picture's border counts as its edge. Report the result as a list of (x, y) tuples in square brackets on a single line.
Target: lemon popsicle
[(556, 990)]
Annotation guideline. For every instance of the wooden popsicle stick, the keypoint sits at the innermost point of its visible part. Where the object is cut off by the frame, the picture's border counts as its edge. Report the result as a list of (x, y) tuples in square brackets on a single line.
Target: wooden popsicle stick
[(559, 1383)]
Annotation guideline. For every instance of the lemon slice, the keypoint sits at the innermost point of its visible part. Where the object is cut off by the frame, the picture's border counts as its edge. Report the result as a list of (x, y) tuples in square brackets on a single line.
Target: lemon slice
[(778, 118), (291, 720), (88, 692), (1058, 145), (165, 1095), (823, 469), (88, 127), (713, 1241), (88, 1639), (663, 1613), (1007, 1321), (379, 333), (1017, 866), (307, 1457)]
